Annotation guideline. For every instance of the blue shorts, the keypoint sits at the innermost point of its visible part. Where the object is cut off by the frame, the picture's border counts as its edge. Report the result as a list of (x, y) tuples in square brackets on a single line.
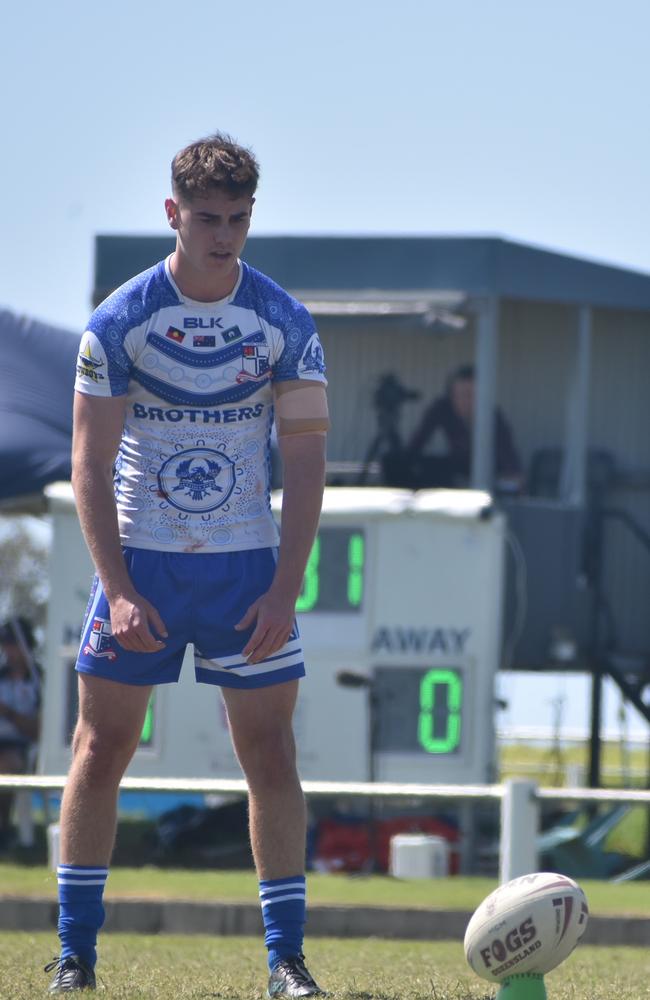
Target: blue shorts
[(200, 598)]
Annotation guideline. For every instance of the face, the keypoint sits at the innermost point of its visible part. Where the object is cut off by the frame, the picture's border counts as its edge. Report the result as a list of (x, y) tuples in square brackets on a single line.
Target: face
[(462, 398), (211, 233)]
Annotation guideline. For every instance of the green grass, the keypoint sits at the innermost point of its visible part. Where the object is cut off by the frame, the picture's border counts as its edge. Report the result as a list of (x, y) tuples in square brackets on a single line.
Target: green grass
[(197, 968), (341, 890), (552, 766)]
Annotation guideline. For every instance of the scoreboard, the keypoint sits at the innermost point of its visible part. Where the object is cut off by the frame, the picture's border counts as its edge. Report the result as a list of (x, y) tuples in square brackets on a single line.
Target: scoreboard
[(401, 598)]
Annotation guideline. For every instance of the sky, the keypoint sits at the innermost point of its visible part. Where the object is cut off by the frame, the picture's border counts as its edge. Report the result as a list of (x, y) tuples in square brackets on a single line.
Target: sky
[(527, 120), (523, 120)]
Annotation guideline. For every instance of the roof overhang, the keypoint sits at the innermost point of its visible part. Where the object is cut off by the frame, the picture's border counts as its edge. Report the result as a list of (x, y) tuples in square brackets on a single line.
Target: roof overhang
[(446, 309)]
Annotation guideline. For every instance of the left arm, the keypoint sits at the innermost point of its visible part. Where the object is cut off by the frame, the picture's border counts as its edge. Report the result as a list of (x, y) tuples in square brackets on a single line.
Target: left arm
[(302, 440), (303, 461)]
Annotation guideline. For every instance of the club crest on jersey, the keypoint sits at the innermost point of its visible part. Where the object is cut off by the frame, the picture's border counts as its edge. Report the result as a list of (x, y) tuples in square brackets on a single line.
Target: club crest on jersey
[(255, 363), (99, 640), (312, 359), (198, 480), (88, 365)]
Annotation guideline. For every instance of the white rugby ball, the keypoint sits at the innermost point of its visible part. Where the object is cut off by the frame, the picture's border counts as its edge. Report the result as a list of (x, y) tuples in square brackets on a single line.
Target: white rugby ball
[(530, 924)]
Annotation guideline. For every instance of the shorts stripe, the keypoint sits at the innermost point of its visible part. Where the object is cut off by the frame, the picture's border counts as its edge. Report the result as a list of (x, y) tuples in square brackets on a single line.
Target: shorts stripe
[(245, 669), (228, 678), (237, 661)]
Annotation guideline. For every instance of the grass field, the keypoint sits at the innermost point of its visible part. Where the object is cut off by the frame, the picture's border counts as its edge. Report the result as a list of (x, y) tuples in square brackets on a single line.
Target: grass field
[(553, 765), (632, 898), (196, 968), (193, 967)]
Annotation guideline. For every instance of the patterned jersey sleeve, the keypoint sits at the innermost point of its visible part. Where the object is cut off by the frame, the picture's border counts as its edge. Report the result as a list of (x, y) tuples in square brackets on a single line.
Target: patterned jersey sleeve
[(103, 364), (299, 350)]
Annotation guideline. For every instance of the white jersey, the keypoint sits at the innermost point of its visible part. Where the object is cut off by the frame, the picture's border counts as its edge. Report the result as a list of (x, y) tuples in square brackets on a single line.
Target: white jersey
[(193, 466)]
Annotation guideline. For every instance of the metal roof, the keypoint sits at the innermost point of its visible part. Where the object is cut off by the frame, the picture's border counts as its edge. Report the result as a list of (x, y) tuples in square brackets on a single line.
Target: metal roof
[(386, 269)]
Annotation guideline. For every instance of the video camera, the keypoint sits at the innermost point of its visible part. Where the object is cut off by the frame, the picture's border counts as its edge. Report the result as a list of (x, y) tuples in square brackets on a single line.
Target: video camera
[(390, 394)]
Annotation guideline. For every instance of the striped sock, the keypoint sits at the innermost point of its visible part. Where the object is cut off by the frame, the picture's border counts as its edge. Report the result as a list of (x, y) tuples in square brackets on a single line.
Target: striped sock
[(81, 912), (283, 911)]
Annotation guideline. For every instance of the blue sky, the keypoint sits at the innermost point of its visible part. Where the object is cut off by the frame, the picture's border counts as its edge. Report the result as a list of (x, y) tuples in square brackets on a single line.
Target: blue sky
[(522, 119), (527, 120)]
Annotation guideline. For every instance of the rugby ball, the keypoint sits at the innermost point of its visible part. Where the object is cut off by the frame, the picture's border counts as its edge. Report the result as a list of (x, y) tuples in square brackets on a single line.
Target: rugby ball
[(530, 924)]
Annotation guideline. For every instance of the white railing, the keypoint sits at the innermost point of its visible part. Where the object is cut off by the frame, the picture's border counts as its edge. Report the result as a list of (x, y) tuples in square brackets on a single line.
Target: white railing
[(520, 803)]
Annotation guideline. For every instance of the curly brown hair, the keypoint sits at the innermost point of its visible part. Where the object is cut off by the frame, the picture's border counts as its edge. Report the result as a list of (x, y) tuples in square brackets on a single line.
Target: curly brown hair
[(214, 163)]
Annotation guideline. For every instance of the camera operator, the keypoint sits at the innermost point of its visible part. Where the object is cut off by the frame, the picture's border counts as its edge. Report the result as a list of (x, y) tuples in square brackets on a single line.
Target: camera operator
[(453, 415)]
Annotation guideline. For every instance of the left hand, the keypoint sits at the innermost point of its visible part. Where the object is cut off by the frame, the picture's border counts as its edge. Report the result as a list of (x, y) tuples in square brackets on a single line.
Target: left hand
[(274, 615)]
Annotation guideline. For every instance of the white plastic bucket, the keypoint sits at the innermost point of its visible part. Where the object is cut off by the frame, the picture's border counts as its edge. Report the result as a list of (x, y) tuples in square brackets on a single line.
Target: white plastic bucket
[(418, 855)]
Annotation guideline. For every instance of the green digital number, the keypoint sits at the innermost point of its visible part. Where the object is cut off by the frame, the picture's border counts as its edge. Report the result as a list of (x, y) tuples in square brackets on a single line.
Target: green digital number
[(430, 686), (147, 729), (356, 558), (311, 581)]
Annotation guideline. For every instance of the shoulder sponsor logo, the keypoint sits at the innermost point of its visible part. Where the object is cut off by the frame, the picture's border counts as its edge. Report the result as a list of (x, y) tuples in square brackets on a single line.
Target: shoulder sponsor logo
[(87, 365), (312, 359)]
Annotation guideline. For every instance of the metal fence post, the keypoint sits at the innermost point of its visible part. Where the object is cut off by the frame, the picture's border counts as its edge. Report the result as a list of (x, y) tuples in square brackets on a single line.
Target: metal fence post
[(23, 814), (519, 829)]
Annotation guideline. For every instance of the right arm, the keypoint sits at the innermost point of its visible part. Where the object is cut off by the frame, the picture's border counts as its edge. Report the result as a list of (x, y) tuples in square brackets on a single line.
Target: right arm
[(97, 430)]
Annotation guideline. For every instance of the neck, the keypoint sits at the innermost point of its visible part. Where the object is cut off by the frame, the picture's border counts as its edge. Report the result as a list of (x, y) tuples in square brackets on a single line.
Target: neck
[(198, 285)]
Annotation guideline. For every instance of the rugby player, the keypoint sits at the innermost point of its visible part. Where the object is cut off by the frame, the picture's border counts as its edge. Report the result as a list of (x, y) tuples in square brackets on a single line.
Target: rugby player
[(181, 373)]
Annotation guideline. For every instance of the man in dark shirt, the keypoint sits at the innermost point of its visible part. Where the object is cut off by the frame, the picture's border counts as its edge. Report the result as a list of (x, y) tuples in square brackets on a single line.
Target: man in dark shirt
[(453, 414)]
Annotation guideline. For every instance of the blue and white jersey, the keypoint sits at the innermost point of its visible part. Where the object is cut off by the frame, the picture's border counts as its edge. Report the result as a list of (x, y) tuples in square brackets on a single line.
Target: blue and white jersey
[(192, 470)]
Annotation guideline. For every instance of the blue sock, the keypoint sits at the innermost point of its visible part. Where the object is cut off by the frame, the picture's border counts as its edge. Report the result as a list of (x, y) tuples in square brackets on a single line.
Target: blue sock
[(283, 911), (81, 912)]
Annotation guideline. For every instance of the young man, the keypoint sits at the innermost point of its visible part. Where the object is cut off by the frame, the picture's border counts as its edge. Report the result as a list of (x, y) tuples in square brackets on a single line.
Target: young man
[(180, 375)]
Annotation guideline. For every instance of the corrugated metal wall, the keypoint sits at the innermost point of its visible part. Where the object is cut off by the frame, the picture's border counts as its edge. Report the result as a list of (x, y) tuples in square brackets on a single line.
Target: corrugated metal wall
[(537, 345), (620, 422)]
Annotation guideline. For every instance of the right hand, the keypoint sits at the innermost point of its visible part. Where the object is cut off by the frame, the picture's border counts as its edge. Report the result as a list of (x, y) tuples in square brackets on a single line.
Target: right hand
[(134, 621)]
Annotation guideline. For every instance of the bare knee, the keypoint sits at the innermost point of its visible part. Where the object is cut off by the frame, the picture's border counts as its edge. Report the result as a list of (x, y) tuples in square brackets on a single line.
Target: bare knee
[(103, 753), (268, 759)]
